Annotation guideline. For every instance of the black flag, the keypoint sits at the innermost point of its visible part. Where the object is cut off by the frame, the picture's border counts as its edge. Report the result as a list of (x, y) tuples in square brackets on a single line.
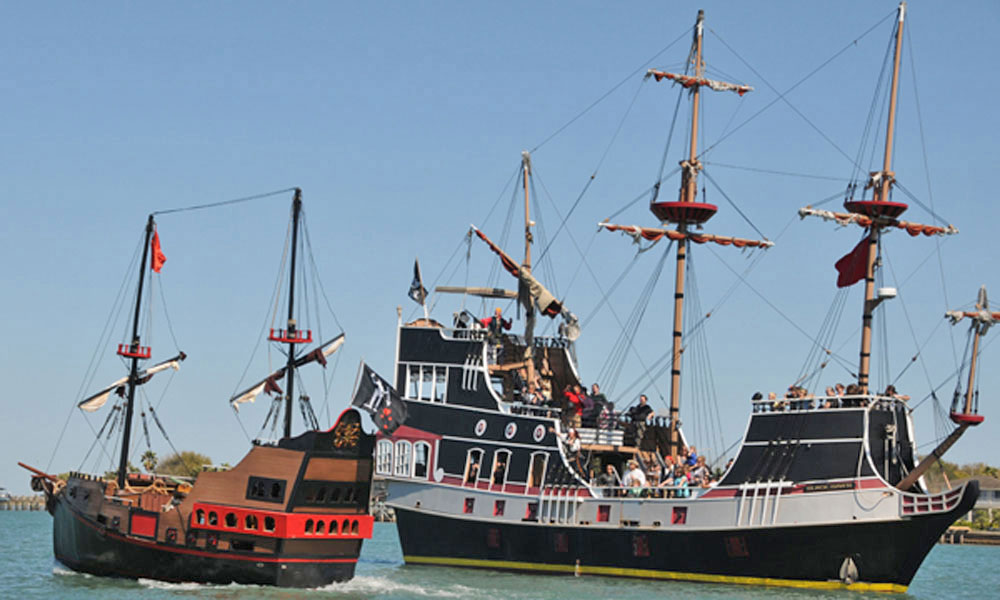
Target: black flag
[(376, 396), (417, 290)]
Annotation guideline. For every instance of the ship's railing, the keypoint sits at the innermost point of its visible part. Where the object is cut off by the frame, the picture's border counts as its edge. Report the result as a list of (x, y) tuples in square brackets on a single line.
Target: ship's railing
[(809, 403), (534, 410), (684, 492), (923, 504)]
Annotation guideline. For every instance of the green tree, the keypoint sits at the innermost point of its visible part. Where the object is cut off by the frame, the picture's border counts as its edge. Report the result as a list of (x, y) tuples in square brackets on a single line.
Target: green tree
[(184, 463), (149, 461)]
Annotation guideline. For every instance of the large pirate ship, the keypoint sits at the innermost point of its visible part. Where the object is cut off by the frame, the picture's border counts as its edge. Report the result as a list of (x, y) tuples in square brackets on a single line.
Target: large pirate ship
[(293, 512), (824, 492)]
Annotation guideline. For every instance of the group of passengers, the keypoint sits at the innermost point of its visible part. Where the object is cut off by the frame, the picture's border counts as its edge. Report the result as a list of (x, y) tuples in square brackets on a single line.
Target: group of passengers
[(674, 479), (836, 396)]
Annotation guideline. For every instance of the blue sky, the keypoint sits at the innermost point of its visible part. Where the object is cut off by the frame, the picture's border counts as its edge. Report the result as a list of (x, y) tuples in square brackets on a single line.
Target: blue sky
[(403, 122)]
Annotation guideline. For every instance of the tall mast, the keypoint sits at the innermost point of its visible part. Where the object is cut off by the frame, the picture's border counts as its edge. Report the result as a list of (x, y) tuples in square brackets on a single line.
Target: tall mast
[(688, 193), (135, 353), (530, 308), (290, 385), (881, 183)]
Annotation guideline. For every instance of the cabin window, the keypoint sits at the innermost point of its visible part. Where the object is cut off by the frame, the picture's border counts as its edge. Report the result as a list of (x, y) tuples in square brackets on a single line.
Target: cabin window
[(333, 528), (498, 507), (501, 458), (531, 512), (268, 523), (473, 463), (383, 458), (603, 513), (266, 489), (680, 515), (440, 384), (536, 477), (469, 505), (412, 381), (426, 383), (354, 527), (309, 525), (320, 527), (199, 516), (403, 458), (321, 494), (421, 458), (231, 520), (250, 522), (213, 519)]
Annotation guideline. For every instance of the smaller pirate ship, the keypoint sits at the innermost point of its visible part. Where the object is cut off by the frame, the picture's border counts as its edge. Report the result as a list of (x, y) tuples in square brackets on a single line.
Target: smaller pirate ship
[(293, 512)]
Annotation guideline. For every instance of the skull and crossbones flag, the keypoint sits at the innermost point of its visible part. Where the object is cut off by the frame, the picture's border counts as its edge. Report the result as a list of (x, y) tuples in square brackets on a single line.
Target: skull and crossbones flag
[(374, 395)]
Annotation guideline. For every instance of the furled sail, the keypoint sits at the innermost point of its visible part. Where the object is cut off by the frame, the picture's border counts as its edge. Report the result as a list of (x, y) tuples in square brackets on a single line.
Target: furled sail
[(689, 81), (92, 403), (543, 298), (270, 383), (654, 234)]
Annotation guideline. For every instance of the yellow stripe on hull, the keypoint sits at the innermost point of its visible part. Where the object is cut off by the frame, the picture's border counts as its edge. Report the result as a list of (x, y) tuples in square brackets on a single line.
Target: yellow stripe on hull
[(651, 574)]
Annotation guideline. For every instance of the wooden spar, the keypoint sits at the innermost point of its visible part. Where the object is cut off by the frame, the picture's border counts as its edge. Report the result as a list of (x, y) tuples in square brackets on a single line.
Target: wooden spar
[(290, 381), (134, 350), (484, 292), (932, 458), (881, 183), (529, 310)]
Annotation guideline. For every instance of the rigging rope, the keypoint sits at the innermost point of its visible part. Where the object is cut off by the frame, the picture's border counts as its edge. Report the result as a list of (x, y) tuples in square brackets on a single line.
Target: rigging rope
[(627, 78), (224, 202), (783, 96)]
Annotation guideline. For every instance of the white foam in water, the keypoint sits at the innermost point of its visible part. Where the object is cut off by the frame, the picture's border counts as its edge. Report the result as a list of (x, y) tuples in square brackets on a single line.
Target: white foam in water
[(383, 585), (63, 571)]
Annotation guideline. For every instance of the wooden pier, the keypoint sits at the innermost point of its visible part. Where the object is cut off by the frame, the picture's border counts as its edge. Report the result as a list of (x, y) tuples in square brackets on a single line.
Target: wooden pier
[(24, 503), (966, 535)]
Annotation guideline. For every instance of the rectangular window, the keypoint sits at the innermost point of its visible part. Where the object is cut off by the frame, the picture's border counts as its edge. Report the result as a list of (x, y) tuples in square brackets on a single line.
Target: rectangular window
[(531, 513), (498, 507), (426, 383), (470, 504), (603, 513), (413, 381), (440, 384), (383, 457), (680, 515)]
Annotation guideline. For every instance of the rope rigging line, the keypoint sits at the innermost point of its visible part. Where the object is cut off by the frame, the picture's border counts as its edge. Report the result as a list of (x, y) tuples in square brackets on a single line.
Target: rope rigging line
[(91, 372), (625, 80), (783, 96), (775, 172), (666, 147), (224, 202), (616, 359), (873, 123), (930, 187), (733, 204)]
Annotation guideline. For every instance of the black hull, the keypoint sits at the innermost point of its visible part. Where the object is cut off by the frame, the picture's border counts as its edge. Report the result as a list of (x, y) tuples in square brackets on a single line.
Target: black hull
[(886, 554), (87, 547)]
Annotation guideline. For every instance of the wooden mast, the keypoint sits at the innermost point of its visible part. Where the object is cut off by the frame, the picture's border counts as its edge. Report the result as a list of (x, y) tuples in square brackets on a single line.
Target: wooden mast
[(529, 313), (290, 385), (688, 193), (881, 182), (982, 319), (135, 353)]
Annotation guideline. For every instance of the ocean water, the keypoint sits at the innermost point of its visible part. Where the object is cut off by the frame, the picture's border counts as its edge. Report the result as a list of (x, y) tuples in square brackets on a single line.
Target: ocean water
[(28, 570)]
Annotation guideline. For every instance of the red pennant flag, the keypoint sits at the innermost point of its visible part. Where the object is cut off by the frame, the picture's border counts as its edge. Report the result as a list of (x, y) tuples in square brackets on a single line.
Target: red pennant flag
[(853, 266), (158, 258)]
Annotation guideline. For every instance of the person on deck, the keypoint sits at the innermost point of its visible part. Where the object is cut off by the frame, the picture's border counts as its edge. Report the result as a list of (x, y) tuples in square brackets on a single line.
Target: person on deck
[(588, 416), (573, 411), (639, 415), (609, 478), (495, 326), (634, 477), (892, 393)]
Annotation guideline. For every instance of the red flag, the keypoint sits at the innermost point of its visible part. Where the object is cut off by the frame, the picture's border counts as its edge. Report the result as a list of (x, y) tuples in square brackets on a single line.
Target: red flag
[(853, 266), (158, 258)]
